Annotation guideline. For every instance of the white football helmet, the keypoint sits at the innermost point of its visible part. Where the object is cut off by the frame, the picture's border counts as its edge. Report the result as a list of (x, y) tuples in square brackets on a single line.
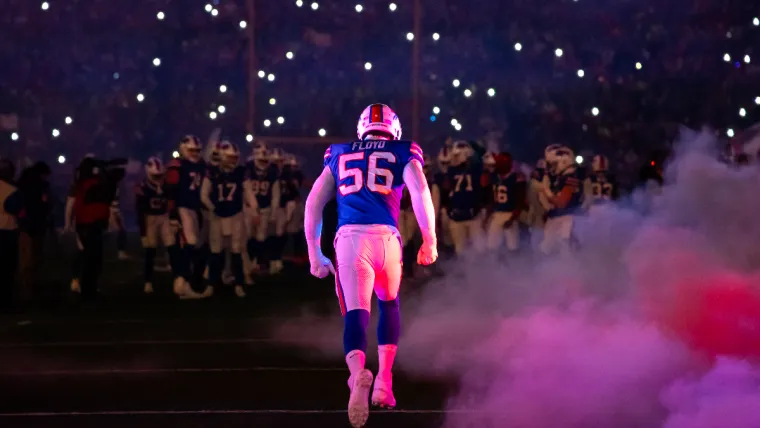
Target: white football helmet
[(154, 169), (461, 152), (213, 156), (260, 155), (190, 148), (229, 155), (381, 119), (559, 158), (600, 163), (444, 159)]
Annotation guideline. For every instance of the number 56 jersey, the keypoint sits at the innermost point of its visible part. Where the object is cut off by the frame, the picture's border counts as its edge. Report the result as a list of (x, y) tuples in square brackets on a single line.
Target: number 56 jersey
[(369, 176)]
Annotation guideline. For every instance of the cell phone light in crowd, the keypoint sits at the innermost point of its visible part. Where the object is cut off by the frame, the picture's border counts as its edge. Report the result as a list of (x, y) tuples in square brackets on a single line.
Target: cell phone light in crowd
[(289, 55), (212, 115), (270, 77), (729, 35), (208, 8), (730, 133), (727, 57), (558, 53), (651, 163), (518, 47), (491, 92), (221, 109), (262, 74), (579, 160), (436, 36), (454, 122), (214, 12), (249, 138), (458, 126), (757, 100), (14, 136), (392, 7), (756, 22), (314, 6), (299, 3), (45, 5), (222, 88), (280, 120), (455, 83), (55, 133), (267, 123), (272, 101), (581, 73), (61, 159), (358, 8), (746, 59), (160, 16), (638, 66), (68, 120), (467, 93), (156, 62), (322, 132), (410, 36), (175, 154), (436, 110), (368, 66), (433, 118), (595, 111), (742, 112), (242, 25), (140, 98)]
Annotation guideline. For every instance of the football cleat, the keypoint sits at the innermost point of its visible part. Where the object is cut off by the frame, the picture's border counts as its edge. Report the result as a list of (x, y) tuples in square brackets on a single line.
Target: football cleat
[(358, 402)]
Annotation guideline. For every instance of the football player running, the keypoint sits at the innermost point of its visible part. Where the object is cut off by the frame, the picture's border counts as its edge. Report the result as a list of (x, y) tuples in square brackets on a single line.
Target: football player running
[(508, 188), (466, 212), (224, 192), (562, 188), (367, 177), (153, 220), (600, 187), (266, 189), (183, 186)]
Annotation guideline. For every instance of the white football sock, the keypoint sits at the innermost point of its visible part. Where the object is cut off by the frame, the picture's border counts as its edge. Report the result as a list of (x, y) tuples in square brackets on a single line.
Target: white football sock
[(386, 355), (355, 361)]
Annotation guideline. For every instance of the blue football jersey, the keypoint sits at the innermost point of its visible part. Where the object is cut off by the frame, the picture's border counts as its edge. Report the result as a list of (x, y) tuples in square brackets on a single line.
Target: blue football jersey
[(369, 176), (262, 182), (227, 190), (185, 179), (603, 187), (506, 192), (465, 191), (559, 182), (151, 199)]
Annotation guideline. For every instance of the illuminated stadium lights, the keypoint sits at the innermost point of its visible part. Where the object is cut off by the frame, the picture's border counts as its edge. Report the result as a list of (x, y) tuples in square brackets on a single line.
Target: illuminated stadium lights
[(242, 24), (68, 120), (491, 92), (436, 36), (212, 115), (410, 36), (223, 88), (579, 159), (727, 57), (214, 12), (261, 74), (757, 100), (730, 133), (746, 59), (61, 159), (299, 3), (436, 110), (140, 98), (55, 133), (314, 6), (249, 138), (280, 120), (518, 47), (45, 5), (467, 93), (458, 127), (14, 136), (455, 83), (358, 8), (221, 109), (208, 8), (742, 112), (756, 22), (289, 55), (595, 111), (267, 122), (156, 62), (581, 73), (270, 77), (160, 16), (454, 122), (175, 154), (638, 66), (392, 7), (272, 101), (558, 53), (368, 66), (322, 132)]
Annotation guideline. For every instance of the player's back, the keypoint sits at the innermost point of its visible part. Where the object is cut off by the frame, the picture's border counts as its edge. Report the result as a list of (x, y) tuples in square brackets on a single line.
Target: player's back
[(369, 176)]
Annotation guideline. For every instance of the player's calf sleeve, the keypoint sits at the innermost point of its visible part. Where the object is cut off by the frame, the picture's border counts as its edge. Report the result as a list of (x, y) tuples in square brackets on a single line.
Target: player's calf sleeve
[(215, 266), (148, 263), (187, 262), (175, 259), (200, 258), (355, 330), (236, 264), (389, 324)]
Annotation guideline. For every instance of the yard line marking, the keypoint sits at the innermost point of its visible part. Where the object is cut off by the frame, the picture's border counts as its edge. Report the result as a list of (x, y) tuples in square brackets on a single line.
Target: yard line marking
[(122, 371)]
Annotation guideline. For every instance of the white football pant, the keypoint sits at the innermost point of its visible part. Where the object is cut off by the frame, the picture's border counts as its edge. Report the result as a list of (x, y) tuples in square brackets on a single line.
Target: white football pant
[(368, 258), (158, 229), (227, 233), (558, 232), (466, 234), (194, 229), (496, 233)]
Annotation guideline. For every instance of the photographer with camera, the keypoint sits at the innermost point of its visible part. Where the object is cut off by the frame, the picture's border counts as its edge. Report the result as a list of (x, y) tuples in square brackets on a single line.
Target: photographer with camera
[(93, 193)]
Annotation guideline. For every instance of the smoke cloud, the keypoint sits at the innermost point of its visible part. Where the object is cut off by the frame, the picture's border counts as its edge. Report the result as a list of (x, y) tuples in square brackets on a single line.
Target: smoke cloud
[(623, 332)]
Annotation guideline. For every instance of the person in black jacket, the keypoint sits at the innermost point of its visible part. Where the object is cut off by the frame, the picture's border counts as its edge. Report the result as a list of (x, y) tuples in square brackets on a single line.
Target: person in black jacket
[(11, 211), (35, 188)]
